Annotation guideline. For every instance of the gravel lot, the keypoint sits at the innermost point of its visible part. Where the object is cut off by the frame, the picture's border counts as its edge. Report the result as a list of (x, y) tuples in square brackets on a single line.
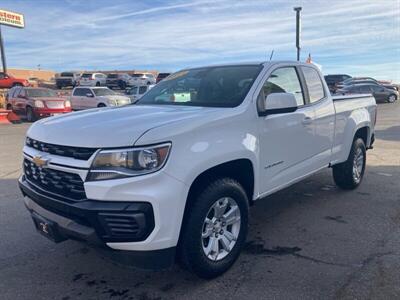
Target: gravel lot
[(309, 241)]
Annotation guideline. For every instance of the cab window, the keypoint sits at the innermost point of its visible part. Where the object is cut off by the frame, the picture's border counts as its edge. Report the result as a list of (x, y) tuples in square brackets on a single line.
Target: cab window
[(314, 84), (282, 80)]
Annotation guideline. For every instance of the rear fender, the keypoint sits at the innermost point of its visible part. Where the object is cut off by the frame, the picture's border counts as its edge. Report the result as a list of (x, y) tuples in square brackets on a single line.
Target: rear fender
[(358, 119)]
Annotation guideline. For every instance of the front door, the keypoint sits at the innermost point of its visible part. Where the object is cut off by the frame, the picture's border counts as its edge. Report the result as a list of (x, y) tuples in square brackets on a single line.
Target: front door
[(286, 140)]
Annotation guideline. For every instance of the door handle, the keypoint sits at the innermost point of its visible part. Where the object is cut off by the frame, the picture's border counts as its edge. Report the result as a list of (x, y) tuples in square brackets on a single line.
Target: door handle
[(307, 121)]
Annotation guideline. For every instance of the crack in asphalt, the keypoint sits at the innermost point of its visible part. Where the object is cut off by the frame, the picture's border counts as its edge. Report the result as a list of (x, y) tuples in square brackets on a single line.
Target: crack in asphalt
[(341, 292)]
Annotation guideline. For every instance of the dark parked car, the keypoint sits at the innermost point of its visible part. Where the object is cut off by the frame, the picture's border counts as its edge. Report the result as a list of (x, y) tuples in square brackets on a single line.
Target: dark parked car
[(161, 76), (370, 80), (333, 80), (380, 93), (118, 80)]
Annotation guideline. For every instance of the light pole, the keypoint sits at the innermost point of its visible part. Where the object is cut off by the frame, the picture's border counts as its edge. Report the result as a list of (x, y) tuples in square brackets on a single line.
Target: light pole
[(298, 30)]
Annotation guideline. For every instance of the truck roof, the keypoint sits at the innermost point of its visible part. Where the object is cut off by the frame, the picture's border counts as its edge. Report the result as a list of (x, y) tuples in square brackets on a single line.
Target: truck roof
[(264, 63)]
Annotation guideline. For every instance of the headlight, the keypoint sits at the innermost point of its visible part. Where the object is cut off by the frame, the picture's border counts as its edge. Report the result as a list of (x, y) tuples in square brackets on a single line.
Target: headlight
[(122, 163), (38, 103), (67, 103)]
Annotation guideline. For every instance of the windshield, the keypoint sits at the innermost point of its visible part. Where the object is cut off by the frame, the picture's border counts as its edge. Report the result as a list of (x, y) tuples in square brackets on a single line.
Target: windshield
[(112, 76), (103, 92), (37, 93), (212, 86)]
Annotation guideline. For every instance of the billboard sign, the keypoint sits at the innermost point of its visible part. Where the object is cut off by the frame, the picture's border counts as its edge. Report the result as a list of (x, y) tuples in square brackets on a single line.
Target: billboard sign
[(12, 19)]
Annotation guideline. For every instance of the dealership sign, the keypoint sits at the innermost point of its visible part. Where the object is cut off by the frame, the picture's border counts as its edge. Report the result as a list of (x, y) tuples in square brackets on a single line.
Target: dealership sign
[(10, 18)]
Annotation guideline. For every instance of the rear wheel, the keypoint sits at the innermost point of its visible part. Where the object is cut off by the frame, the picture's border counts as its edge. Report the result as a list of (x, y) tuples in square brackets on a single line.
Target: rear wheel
[(349, 174), (97, 83), (215, 228), (30, 116), (101, 105), (17, 84), (392, 98)]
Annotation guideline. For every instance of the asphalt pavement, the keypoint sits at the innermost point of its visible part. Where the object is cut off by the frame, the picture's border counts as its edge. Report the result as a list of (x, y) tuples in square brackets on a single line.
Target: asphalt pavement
[(309, 241)]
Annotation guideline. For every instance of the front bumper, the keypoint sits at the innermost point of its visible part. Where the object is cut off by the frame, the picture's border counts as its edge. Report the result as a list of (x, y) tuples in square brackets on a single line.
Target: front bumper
[(99, 223), (47, 112)]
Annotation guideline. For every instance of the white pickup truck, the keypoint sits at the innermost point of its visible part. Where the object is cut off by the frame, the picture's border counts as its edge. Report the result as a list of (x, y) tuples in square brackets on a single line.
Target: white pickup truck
[(173, 177)]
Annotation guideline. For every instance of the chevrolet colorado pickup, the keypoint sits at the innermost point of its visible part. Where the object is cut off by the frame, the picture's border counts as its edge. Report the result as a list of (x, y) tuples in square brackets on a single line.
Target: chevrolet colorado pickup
[(172, 177)]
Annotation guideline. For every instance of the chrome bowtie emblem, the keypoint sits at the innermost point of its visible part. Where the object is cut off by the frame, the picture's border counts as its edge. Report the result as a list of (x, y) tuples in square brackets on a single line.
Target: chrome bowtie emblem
[(39, 161)]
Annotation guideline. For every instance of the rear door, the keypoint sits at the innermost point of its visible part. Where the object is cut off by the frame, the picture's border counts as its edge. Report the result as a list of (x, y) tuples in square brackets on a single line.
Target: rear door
[(21, 101), (379, 92), (285, 139), (323, 124)]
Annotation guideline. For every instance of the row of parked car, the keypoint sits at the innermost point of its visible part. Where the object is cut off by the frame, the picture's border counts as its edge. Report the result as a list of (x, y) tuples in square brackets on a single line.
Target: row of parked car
[(34, 103), (342, 84), (111, 80)]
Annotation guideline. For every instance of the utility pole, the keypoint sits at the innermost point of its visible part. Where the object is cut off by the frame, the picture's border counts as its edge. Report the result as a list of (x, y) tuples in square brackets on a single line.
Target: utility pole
[(3, 56), (298, 30)]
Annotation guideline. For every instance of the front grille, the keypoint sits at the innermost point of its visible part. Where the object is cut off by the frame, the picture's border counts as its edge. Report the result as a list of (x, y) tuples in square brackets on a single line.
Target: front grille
[(67, 185), (75, 152), (55, 104)]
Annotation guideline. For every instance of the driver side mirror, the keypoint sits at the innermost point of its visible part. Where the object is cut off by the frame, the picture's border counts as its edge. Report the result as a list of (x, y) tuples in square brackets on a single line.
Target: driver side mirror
[(279, 103), (90, 95)]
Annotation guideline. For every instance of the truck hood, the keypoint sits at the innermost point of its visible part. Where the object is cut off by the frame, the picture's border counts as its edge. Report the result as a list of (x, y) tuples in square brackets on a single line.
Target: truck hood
[(111, 127)]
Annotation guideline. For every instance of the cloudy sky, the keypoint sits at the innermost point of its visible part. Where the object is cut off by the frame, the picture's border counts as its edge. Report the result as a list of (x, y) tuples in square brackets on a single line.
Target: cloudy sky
[(357, 37)]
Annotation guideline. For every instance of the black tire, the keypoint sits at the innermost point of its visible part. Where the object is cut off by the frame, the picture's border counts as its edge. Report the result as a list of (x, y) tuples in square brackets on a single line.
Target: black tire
[(148, 82), (9, 106), (97, 83), (30, 116), (191, 253), (392, 98), (17, 84), (344, 174), (101, 105)]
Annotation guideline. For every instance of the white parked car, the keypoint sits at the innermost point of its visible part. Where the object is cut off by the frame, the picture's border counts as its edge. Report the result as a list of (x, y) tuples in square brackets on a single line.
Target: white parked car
[(91, 97), (176, 174), (143, 79), (92, 79), (136, 92)]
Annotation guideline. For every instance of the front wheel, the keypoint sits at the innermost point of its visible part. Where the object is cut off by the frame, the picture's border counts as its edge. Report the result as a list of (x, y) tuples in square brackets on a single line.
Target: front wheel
[(349, 174), (392, 98), (215, 228)]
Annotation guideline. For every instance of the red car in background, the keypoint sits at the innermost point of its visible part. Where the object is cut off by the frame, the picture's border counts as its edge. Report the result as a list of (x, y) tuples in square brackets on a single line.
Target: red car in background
[(8, 81), (35, 103)]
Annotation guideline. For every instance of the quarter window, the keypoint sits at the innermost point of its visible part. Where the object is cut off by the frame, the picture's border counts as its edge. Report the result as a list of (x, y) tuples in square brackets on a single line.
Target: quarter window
[(283, 80), (314, 84)]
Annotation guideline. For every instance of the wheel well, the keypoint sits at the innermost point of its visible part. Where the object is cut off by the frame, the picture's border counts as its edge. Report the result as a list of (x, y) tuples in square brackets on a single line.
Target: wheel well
[(363, 134), (101, 105), (240, 170)]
